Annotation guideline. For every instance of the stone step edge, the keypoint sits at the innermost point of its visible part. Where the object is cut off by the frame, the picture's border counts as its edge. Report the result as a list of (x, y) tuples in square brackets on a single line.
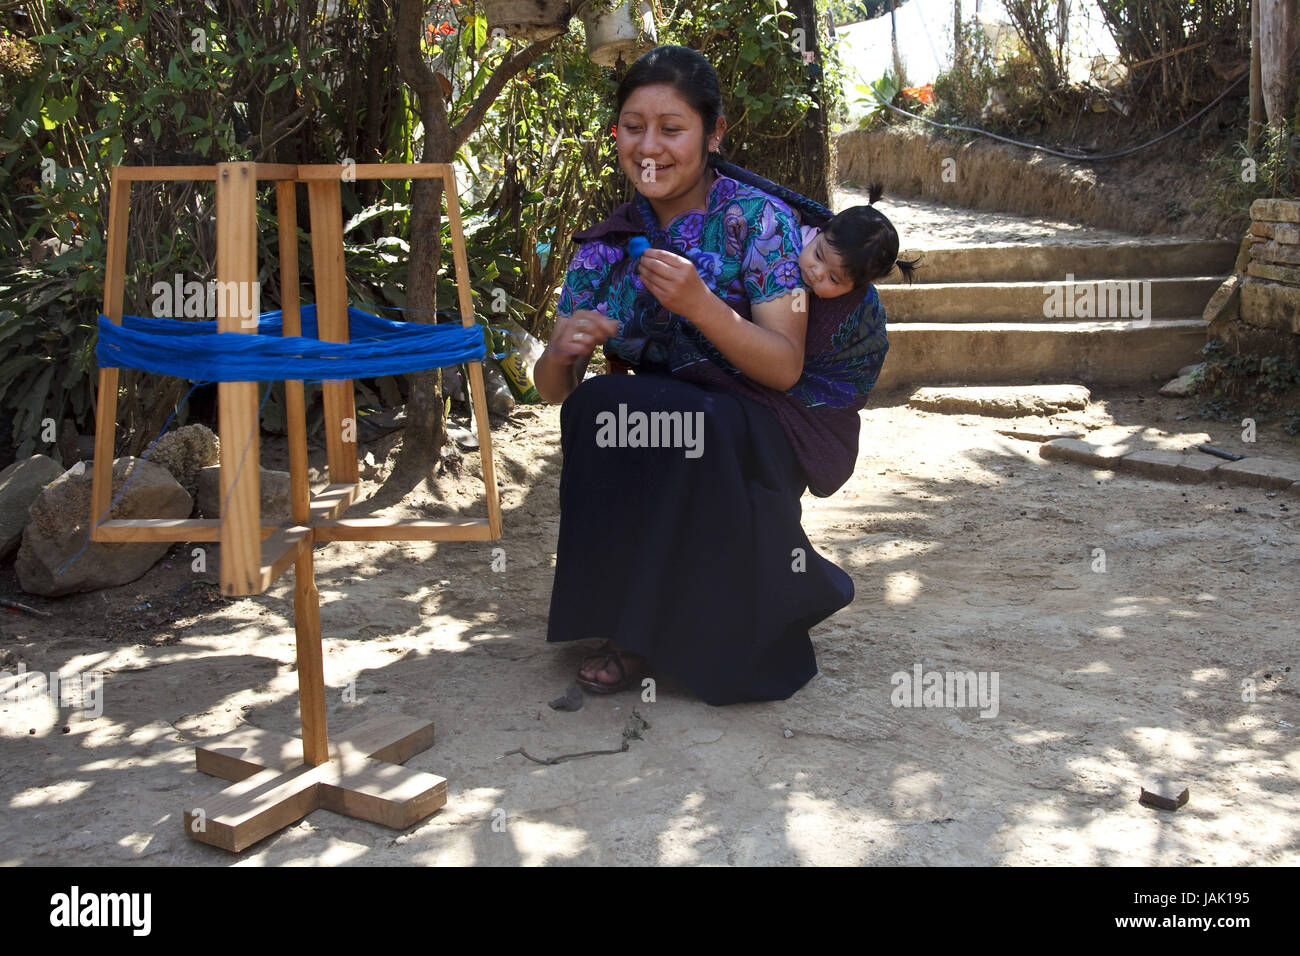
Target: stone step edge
[(1275, 474), (1038, 324), (1012, 286)]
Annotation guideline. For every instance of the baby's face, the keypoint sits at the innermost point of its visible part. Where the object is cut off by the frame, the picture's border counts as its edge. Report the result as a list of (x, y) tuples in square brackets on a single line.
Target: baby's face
[(823, 270)]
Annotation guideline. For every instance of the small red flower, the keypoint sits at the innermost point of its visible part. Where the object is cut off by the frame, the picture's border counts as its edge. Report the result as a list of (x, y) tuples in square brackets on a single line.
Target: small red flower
[(445, 28), (613, 131), (429, 32)]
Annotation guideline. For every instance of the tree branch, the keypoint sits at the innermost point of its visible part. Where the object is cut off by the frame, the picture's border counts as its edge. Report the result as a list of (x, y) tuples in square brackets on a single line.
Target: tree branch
[(500, 76)]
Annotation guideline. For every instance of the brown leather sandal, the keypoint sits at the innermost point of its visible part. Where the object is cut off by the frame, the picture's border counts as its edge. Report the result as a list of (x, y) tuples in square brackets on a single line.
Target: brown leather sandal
[(627, 676)]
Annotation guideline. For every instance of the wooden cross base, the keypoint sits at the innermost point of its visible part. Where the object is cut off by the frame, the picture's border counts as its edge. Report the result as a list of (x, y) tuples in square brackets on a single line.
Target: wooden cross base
[(274, 788)]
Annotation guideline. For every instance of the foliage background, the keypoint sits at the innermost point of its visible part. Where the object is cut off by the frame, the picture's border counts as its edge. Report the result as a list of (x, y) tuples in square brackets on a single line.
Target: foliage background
[(88, 85)]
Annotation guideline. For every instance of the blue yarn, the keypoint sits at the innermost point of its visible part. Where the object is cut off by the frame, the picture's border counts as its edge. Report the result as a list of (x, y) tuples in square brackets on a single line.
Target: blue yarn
[(197, 351), (637, 245)]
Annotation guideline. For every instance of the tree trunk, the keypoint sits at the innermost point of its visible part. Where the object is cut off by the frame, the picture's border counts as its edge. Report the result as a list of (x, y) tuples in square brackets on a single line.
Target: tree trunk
[(1256, 90), (813, 134), (425, 428), (425, 425), (1278, 35)]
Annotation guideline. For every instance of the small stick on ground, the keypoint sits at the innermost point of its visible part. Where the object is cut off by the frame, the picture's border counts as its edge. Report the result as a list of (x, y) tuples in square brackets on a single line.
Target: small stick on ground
[(562, 757), (5, 602)]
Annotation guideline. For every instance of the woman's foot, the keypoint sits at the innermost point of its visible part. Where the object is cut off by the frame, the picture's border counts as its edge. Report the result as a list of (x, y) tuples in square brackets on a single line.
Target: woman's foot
[(610, 670)]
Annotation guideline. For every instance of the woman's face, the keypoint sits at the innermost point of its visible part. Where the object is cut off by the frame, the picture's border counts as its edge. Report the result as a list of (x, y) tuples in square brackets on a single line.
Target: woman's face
[(661, 145)]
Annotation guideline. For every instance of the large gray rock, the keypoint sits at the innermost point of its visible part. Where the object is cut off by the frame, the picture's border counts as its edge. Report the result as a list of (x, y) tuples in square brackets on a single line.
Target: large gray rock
[(185, 452), (274, 487), (60, 523), (20, 483)]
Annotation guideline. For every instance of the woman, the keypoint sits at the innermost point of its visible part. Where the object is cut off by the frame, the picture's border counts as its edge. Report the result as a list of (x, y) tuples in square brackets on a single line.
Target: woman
[(679, 535)]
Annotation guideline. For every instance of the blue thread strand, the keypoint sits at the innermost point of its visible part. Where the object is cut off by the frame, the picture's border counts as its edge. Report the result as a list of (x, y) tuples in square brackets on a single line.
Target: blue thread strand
[(197, 351)]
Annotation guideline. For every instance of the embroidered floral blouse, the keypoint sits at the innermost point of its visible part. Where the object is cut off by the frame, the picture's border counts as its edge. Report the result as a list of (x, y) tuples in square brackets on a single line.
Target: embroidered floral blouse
[(745, 246)]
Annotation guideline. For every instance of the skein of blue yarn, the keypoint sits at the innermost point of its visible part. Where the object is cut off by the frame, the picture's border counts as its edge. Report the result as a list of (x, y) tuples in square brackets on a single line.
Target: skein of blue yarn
[(637, 245)]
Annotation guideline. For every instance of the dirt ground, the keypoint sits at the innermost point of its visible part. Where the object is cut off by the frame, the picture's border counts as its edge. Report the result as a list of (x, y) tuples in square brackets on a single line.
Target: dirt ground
[(968, 552)]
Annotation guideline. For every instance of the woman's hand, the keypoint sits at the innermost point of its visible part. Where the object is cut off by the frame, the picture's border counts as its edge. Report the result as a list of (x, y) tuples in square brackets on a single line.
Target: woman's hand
[(575, 338), (578, 335), (675, 282)]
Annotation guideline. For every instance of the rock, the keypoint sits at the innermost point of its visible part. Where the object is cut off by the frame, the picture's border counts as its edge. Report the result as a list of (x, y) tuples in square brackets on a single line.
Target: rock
[(60, 523), (1185, 383), (1287, 235), (276, 507), (1261, 472), (1038, 434), (185, 452), (1275, 210), (1245, 252), (368, 468), (499, 400), (572, 699), (1276, 252), (1224, 306), (465, 439), (1002, 401), (1290, 275), (20, 484), (1270, 305), (1170, 465), (1084, 453)]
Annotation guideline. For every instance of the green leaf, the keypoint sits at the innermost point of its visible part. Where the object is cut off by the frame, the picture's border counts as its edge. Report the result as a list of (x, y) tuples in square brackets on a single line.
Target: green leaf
[(58, 111), (278, 82)]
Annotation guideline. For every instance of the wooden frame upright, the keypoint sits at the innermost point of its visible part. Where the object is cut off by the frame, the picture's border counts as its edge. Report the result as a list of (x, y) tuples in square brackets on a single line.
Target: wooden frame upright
[(277, 779)]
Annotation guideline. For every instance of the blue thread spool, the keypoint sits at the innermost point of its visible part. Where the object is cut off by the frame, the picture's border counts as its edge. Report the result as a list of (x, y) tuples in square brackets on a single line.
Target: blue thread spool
[(637, 245)]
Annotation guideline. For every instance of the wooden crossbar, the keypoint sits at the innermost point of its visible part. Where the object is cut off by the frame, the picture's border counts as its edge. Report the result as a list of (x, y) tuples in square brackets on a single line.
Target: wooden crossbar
[(288, 172)]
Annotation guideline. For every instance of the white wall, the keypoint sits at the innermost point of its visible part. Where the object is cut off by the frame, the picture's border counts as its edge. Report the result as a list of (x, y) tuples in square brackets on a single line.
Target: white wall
[(925, 40)]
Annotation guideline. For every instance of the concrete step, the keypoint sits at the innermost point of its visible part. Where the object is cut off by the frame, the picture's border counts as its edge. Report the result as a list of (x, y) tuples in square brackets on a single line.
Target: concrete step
[(1088, 352), (1015, 262), (1045, 301)]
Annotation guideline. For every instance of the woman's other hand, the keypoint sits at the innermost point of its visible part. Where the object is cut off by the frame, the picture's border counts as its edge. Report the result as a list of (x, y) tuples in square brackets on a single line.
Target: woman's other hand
[(575, 338), (675, 282), (578, 335)]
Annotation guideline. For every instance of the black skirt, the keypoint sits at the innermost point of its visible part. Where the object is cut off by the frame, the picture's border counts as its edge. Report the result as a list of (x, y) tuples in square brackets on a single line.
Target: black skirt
[(680, 538)]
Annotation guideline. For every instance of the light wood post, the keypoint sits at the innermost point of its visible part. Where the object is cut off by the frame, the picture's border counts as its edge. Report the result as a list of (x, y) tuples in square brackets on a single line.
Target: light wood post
[(477, 393), (326, 201), (237, 406), (101, 487), (306, 599)]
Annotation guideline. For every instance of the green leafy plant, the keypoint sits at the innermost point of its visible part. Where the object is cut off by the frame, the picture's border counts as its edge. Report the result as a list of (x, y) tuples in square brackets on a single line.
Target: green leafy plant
[(874, 96), (1259, 385)]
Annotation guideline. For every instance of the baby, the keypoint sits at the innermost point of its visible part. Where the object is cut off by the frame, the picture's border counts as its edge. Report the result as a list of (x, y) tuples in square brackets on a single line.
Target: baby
[(857, 247)]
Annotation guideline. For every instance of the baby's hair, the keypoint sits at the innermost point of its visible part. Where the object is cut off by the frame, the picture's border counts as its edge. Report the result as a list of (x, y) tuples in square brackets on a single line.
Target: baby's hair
[(867, 242)]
